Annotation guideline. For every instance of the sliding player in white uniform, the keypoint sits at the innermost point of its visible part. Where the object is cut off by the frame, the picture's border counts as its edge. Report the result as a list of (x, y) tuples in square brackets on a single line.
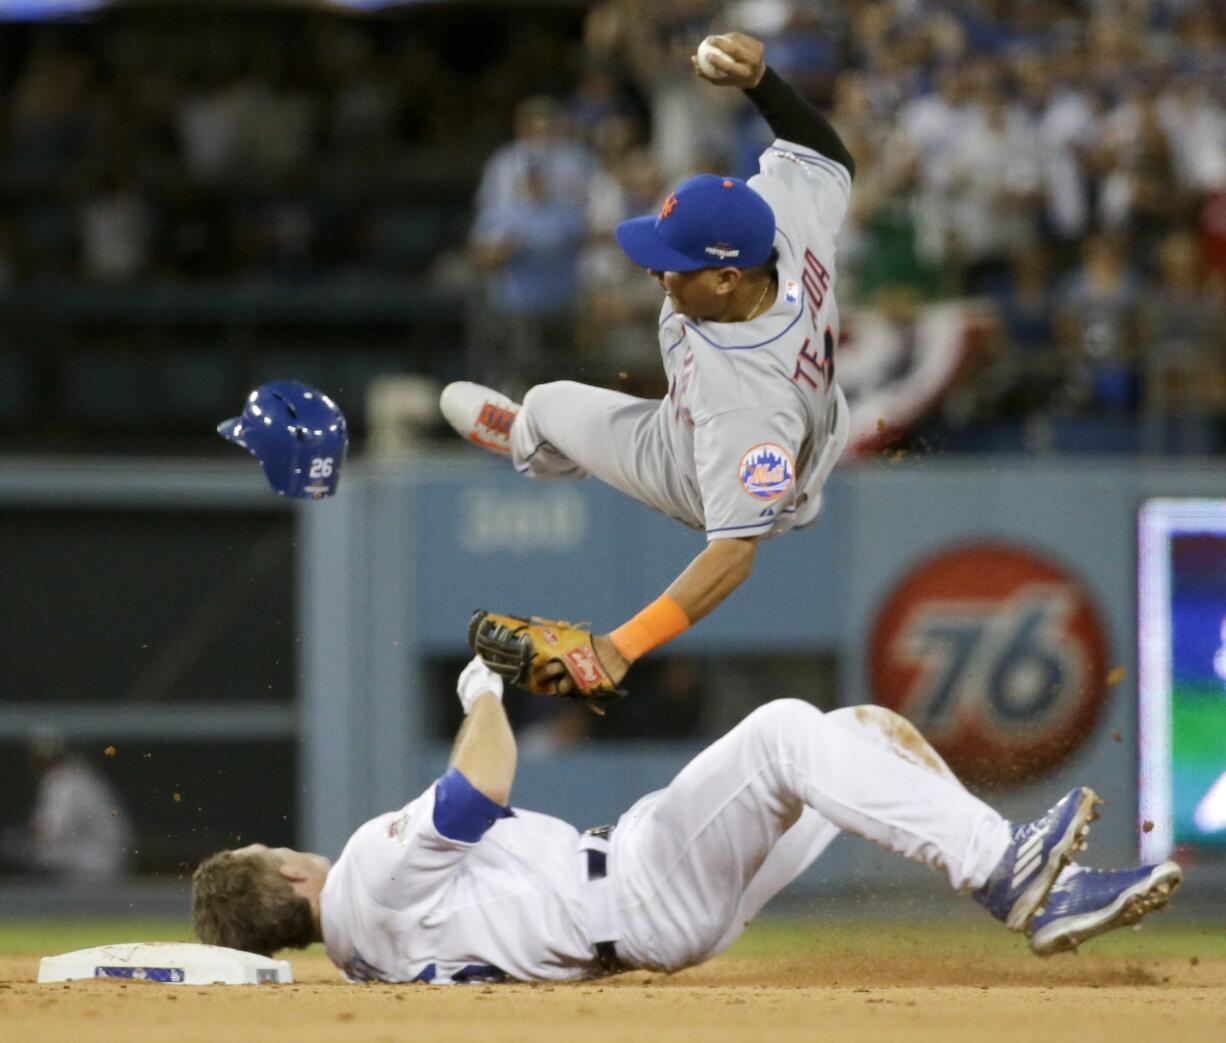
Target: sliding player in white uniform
[(457, 886), (754, 421)]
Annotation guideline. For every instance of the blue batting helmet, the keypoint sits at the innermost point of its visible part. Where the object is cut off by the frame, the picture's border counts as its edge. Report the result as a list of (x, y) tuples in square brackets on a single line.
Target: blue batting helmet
[(298, 434)]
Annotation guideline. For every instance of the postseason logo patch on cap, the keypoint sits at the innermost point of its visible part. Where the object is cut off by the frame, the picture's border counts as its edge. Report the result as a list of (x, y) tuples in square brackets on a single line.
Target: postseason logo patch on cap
[(766, 472)]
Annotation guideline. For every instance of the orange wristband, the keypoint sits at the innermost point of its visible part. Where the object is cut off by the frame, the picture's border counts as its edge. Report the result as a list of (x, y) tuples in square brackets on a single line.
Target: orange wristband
[(659, 622)]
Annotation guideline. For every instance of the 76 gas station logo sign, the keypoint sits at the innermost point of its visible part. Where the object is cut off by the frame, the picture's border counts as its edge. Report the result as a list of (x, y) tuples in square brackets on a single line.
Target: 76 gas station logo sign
[(997, 655)]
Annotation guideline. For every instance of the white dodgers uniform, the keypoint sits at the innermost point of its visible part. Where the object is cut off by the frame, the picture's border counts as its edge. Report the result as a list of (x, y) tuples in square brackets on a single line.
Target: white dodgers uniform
[(455, 888), (754, 421)]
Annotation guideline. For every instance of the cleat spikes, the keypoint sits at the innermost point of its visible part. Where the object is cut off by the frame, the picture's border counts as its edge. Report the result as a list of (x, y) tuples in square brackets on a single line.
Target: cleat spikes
[(1089, 902)]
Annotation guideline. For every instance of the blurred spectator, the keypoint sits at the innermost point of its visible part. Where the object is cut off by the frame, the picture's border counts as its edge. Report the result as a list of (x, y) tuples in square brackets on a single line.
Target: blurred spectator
[(116, 231), (1185, 326), (1026, 304), (211, 119), (78, 829), (613, 140), (278, 127), (1030, 369), (526, 240), (880, 243), (1195, 126), (927, 132), (1068, 130), (1141, 195), (993, 183), (545, 149), (1097, 326)]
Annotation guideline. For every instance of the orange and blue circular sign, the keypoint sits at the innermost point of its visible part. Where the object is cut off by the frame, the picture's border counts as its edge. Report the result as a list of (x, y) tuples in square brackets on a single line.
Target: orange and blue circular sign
[(997, 654)]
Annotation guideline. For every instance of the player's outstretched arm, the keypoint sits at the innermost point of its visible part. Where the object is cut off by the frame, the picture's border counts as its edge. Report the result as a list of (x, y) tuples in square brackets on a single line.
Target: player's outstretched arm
[(722, 567), (485, 752), (740, 63)]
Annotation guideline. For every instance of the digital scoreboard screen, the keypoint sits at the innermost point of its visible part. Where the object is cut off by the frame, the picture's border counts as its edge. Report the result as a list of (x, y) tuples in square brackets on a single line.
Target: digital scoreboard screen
[(1181, 628)]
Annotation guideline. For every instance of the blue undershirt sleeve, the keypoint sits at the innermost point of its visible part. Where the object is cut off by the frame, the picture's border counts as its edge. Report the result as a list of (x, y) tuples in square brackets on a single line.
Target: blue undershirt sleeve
[(461, 811)]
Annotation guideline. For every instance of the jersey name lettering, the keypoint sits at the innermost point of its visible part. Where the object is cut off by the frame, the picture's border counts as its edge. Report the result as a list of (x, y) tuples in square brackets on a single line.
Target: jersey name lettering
[(810, 368), (816, 281)]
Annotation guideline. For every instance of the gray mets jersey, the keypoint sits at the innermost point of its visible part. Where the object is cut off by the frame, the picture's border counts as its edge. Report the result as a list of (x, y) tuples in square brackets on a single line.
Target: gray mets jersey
[(753, 422), (754, 419)]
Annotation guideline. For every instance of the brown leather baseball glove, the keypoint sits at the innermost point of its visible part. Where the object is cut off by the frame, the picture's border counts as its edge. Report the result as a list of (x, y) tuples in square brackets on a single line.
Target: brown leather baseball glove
[(519, 649)]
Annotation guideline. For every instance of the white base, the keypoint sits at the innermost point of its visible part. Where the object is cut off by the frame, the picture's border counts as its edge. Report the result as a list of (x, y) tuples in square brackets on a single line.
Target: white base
[(175, 963)]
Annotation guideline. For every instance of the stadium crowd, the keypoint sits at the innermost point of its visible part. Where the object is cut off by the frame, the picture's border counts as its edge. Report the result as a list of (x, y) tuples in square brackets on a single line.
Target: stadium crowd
[(1064, 160)]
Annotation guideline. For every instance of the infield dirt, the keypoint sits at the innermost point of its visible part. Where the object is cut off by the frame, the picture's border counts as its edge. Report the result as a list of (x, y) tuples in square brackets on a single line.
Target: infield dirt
[(837, 996)]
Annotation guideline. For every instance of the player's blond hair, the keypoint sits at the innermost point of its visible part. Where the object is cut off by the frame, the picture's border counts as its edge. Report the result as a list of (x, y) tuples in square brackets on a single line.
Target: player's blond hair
[(242, 902)]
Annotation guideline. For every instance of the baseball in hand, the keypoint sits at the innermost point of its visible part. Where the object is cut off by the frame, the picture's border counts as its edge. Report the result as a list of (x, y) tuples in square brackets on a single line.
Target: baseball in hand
[(703, 57)]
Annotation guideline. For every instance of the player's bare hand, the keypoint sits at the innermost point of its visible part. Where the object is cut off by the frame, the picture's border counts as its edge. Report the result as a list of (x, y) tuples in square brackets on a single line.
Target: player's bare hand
[(738, 59), (552, 677)]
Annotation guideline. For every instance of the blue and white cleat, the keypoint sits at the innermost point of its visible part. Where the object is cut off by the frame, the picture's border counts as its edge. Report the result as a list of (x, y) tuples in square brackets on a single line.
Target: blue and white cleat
[(1036, 854), (1085, 903)]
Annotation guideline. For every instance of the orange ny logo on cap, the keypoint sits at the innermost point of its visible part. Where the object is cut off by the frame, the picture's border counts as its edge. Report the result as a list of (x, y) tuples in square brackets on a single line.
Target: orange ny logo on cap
[(670, 204)]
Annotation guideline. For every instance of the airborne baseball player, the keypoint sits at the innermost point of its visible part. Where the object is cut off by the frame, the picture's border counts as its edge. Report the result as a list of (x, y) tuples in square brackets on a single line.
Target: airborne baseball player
[(456, 886), (753, 422)]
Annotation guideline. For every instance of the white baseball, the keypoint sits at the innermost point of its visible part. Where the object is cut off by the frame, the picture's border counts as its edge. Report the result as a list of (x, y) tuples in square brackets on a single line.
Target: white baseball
[(705, 65)]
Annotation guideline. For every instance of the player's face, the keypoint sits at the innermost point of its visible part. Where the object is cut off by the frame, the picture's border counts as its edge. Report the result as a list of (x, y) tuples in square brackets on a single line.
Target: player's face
[(698, 295)]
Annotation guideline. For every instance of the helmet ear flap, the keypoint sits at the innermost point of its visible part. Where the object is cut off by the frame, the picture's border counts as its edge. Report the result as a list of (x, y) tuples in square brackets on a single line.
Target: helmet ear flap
[(299, 435)]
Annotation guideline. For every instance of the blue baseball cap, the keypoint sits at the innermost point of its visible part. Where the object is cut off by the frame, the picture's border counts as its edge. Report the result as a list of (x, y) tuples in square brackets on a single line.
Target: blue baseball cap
[(298, 434), (707, 222)]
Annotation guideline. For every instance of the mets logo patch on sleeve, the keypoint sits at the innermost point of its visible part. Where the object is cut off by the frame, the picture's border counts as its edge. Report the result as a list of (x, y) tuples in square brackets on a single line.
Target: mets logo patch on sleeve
[(766, 472)]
